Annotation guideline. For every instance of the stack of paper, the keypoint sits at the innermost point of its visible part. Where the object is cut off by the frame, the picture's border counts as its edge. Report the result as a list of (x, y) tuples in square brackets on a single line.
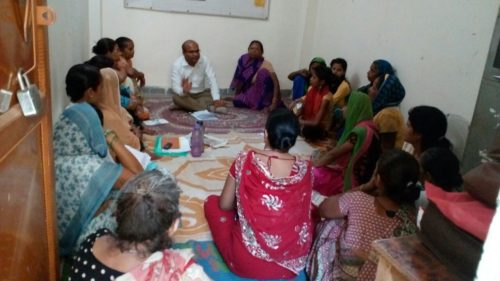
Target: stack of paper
[(204, 115), (142, 157), (214, 142), (153, 122)]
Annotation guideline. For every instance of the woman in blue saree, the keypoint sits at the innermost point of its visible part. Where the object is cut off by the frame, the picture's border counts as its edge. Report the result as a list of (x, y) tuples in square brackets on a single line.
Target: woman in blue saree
[(391, 92), (255, 83), (85, 173)]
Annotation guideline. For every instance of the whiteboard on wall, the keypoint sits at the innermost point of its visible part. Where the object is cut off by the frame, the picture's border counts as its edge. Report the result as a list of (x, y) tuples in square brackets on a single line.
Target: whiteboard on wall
[(257, 9)]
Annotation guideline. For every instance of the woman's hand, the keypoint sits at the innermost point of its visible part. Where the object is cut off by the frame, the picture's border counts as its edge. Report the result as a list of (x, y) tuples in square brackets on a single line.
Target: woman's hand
[(228, 195), (142, 112), (140, 77), (272, 107), (133, 103), (123, 156), (328, 157), (137, 131), (111, 137)]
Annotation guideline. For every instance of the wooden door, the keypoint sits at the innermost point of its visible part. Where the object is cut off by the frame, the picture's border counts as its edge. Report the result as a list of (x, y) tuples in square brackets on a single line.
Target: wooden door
[(27, 216)]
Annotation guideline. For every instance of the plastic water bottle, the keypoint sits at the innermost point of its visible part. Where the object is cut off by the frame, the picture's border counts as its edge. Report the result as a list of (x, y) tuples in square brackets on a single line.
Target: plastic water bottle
[(200, 123), (196, 141)]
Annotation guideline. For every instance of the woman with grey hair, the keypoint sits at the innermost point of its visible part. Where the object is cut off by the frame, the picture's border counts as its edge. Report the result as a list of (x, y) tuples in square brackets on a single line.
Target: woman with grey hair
[(147, 215)]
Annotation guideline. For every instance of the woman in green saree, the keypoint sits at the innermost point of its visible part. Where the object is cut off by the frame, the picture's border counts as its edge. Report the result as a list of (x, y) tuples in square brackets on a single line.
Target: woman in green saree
[(352, 161)]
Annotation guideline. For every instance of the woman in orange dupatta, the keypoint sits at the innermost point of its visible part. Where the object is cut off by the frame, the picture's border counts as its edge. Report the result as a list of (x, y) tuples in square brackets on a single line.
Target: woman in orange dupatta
[(116, 118)]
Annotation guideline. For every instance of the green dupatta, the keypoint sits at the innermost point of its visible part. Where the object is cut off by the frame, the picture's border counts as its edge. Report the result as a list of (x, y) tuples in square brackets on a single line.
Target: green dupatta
[(358, 122)]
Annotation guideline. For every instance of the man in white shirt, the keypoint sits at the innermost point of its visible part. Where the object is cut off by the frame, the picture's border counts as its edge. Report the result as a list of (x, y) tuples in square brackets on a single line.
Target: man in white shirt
[(189, 73)]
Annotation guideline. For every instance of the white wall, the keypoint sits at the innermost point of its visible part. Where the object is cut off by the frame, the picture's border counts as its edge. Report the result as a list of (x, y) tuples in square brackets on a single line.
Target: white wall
[(68, 45), (158, 37), (439, 48)]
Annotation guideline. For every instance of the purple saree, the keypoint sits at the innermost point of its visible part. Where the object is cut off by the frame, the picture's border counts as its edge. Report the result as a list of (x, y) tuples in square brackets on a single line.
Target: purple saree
[(254, 82)]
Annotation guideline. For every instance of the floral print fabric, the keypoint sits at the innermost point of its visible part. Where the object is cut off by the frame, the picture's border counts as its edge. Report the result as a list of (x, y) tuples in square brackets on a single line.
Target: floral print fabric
[(274, 213)]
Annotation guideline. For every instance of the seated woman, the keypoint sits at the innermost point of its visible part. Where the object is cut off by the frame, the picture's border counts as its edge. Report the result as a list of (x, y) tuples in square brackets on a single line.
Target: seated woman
[(338, 67), (442, 168), (301, 78), (315, 109), (109, 48), (389, 121), (352, 161), (126, 46), (342, 248), (147, 215), (131, 87), (84, 175), (255, 83), (261, 223), (426, 127), (85, 171), (391, 92), (116, 117)]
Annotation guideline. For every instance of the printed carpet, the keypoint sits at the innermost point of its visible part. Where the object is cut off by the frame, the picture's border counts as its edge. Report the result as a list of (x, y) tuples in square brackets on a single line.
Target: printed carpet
[(202, 176), (181, 122)]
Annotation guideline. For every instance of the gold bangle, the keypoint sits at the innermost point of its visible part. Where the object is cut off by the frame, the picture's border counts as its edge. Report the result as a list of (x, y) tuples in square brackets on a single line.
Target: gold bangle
[(112, 140), (110, 132)]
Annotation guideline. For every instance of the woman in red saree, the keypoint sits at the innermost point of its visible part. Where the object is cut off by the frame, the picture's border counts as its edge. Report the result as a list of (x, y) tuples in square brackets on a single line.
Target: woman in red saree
[(261, 223)]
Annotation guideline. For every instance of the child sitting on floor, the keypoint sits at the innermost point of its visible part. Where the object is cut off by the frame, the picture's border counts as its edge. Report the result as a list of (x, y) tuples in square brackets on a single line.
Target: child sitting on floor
[(342, 249), (147, 215), (126, 46), (315, 109), (130, 87), (301, 78)]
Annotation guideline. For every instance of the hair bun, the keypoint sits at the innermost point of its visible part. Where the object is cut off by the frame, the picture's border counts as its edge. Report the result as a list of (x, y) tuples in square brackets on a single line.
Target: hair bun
[(411, 192), (286, 143)]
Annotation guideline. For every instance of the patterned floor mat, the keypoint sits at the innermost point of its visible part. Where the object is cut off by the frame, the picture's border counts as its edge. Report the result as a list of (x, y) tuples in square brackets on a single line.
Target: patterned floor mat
[(208, 257), (202, 176), (181, 122)]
